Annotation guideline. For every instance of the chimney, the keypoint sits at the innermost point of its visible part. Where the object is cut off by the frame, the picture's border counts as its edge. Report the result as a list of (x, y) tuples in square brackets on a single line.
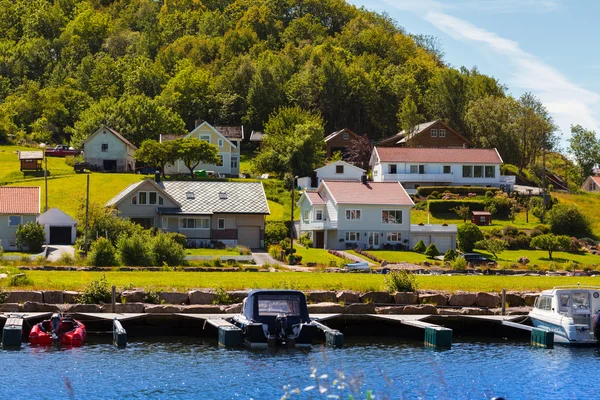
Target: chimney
[(363, 179), (157, 176)]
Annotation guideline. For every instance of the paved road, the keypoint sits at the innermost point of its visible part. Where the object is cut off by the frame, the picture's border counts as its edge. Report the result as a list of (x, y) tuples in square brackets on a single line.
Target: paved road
[(55, 251)]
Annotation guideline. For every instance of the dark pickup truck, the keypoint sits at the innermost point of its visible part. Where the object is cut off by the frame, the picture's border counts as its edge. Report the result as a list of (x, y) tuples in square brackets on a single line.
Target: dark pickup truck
[(62, 150)]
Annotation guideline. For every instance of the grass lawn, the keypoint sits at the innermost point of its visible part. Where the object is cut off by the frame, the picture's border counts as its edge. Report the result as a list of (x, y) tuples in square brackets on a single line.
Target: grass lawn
[(10, 166), (319, 256), (397, 256), (277, 211), (18, 254), (182, 281), (418, 216), (246, 161), (211, 252), (541, 259), (587, 203)]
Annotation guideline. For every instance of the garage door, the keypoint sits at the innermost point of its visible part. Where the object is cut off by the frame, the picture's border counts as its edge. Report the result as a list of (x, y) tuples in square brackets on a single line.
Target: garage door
[(442, 242), (60, 235), (249, 236), (417, 238)]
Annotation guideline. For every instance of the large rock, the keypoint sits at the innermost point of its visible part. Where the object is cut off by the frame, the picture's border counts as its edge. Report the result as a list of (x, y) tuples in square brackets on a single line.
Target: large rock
[(321, 296), (462, 299), (21, 296), (70, 297), (174, 297), (489, 300), (31, 306), (425, 309), (162, 309), (406, 298), (347, 297), (518, 311), (53, 296), (124, 308), (201, 297), (325, 308), (9, 307), (529, 298), (514, 299), (202, 309), (84, 308), (232, 308), (133, 296), (436, 299), (475, 311), (390, 310), (449, 311), (376, 297), (360, 308), (237, 296)]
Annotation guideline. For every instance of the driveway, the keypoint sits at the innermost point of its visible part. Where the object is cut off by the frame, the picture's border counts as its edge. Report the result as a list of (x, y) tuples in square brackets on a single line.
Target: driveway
[(262, 257), (55, 251)]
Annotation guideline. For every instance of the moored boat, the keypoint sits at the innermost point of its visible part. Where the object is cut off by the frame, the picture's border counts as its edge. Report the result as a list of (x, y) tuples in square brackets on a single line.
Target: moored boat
[(571, 312), (58, 330), (275, 318)]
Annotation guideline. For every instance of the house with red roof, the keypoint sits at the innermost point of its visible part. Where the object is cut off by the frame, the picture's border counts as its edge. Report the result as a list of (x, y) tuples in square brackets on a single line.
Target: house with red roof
[(18, 206), (591, 184), (107, 150), (363, 214), (414, 167)]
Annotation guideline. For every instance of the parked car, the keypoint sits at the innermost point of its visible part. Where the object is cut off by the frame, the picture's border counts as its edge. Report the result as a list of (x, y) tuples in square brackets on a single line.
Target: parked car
[(62, 150), (477, 259)]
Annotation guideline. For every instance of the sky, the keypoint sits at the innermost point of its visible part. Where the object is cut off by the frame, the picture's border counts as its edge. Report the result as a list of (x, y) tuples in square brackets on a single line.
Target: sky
[(546, 47)]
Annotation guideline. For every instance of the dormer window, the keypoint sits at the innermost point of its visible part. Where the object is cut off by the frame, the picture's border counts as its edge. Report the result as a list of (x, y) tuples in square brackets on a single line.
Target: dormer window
[(339, 169), (346, 136), (190, 195), (223, 195)]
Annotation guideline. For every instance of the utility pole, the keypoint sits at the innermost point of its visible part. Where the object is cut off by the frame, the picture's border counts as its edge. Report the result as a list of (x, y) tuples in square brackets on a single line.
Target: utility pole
[(544, 184), (87, 213), (46, 179), (292, 222)]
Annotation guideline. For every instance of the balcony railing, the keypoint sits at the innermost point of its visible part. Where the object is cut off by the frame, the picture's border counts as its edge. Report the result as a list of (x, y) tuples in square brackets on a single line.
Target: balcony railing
[(318, 225), (508, 179), (419, 177)]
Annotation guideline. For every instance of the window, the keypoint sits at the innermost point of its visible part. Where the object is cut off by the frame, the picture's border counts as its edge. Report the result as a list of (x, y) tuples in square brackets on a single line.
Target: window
[(478, 171), (544, 303), (352, 214), (152, 198), (447, 169), (592, 186), (221, 223), (319, 215), (394, 237), (306, 215), (160, 201), (104, 146), (482, 218), (490, 171), (234, 162), (375, 172), (467, 171), (346, 136), (392, 169), (206, 138), (194, 223), (142, 198), (220, 163), (222, 195), (442, 133), (190, 195), (421, 169), (434, 133), (391, 216), (414, 169), (14, 220), (352, 236), (220, 142), (134, 200), (339, 169)]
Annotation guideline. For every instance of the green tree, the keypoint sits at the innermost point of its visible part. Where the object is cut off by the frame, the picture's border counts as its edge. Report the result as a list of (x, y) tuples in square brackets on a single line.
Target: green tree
[(157, 154), (463, 212), (103, 253), (31, 236), (193, 152), (420, 247), (432, 251), (494, 246), (468, 234), (551, 243), (569, 220), (585, 148), (408, 115)]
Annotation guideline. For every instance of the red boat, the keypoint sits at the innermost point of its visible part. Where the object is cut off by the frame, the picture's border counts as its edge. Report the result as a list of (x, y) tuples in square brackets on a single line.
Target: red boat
[(64, 330)]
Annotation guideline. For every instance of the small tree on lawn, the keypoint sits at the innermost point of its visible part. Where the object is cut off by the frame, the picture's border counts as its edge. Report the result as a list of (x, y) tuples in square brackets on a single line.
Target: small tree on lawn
[(494, 246), (450, 255), (420, 247), (31, 236), (569, 220), (194, 151), (432, 251), (551, 243), (468, 234), (157, 154), (463, 212)]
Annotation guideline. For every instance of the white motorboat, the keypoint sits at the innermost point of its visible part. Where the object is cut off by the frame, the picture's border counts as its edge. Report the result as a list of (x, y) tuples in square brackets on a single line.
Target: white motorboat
[(571, 312), (358, 266)]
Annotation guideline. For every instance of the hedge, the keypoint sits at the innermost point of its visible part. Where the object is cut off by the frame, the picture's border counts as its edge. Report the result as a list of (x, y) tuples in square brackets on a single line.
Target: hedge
[(425, 191), (445, 206)]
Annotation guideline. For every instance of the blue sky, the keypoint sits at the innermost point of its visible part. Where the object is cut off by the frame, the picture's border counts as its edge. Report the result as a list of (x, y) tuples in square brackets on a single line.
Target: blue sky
[(547, 47)]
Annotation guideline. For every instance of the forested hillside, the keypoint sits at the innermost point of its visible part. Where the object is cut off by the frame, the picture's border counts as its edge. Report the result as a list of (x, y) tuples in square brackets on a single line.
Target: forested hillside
[(149, 67)]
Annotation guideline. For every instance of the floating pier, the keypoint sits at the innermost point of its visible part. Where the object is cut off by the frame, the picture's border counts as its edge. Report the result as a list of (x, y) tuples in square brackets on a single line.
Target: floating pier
[(539, 336), (12, 332)]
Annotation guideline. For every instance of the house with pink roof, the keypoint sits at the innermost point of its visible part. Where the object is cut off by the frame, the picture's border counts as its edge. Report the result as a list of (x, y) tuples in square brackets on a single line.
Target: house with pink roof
[(591, 184)]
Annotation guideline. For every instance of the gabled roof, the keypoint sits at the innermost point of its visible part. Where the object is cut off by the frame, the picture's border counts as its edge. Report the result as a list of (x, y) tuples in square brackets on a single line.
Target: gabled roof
[(212, 128), (403, 136), (31, 155), (314, 198), (595, 179), (19, 200), (257, 136), (340, 162), (124, 194), (378, 193), (337, 133), (231, 132), (56, 216), (436, 155), (117, 134)]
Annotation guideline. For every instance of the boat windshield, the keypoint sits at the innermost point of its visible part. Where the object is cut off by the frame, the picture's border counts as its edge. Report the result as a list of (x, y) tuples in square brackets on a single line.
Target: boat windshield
[(581, 300), (275, 305)]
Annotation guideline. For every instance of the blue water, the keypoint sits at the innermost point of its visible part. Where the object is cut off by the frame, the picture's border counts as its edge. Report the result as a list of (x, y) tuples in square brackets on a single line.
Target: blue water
[(190, 369)]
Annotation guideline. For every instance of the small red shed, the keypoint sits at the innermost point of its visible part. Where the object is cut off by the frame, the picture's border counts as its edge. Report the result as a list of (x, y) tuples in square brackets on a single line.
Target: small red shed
[(31, 160), (481, 218)]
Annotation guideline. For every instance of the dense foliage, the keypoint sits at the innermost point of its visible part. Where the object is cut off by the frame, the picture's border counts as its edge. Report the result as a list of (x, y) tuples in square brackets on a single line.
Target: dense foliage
[(31, 236), (468, 234)]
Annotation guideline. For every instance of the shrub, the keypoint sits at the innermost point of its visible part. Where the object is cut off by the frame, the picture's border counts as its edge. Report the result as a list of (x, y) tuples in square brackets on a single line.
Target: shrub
[(1, 250), (151, 297), (66, 259), (501, 204), (468, 234), (275, 232), (420, 247), (523, 260), (459, 264), (178, 238), (551, 243), (432, 251), (31, 236), (435, 194), (494, 246), (222, 297), (510, 230), (489, 194), (496, 232), (425, 191), (166, 251), (297, 259), (575, 245), (305, 240), (96, 292), (275, 251), (450, 255), (135, 250), (400, 281), (568, 220), (535, 232), (447, 206), (545, 229), (243, 250), (103, 253), (72, 160), (20, 280)]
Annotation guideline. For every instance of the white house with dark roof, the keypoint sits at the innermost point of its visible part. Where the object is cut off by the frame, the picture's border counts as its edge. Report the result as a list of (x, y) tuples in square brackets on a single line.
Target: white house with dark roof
[(350, 214), (18, 206), (204, 211), (228, 140), (414, 167), (107, 150), (335, 171)]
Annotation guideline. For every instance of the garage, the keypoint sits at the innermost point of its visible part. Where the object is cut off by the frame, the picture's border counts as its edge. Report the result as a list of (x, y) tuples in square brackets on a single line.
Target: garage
[(60, 235), (59, 227), (249, 236), (418, 238), (444, 236), (443, 242)]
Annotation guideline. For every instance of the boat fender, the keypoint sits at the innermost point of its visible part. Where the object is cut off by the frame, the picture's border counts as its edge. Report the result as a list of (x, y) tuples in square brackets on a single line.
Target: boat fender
[(596, 325)]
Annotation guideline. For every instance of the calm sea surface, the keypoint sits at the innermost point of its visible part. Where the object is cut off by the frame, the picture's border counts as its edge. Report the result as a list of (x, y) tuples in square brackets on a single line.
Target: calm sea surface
[(191, 369)]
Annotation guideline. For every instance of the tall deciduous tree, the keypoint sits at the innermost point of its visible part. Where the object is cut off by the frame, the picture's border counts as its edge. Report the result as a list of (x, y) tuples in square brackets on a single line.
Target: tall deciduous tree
[(193, 151), (359, 152), (157, 154), (536, 129), (551, 243), (585, 148), (408, 115)]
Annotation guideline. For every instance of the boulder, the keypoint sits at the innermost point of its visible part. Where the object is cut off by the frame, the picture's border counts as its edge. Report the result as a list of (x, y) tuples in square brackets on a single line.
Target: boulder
[(406, 298), (124, 308), (32, 306), (347, 297), (425, 309), (9, 307), (174, 297), (376, 297), (84, 308), (321, 296), (449, 311), (325, 308), (514, 299), (237, 296), (70, 297), (232, 308), (53, 296), (475, 311), (162, 309), (489, 300), (529, 298), (202, 309), (21, 296), (436, 299), (201, 297), (360, 308), (390, 310), (133, 296), (462, 299), (518, 311)]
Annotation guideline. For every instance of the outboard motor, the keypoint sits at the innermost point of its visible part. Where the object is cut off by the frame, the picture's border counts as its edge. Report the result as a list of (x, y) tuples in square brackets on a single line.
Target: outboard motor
[(55, 323), (596, 325), (281, 324)]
